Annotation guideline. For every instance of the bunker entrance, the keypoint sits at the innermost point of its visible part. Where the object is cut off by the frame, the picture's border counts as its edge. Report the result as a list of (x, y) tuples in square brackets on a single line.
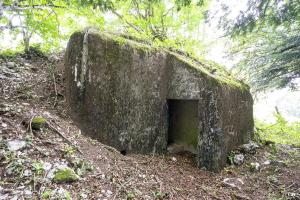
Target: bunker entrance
[(183, 126)]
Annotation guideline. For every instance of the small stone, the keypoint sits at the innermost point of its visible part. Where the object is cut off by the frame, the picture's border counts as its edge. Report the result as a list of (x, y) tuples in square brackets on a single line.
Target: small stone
[(102, 176), (27, 173), (27, 193), (267, 162), (233, 182), (65, 175), (278, 163), (109, 193), (27, 65), (254, 166), (250, 147), (173, 159), (38, 122), (16, 197), (61, 193), (11, 65), (47, 166), (83, 196), (238, 159), (16, 145), (142, 175), (4, 125)]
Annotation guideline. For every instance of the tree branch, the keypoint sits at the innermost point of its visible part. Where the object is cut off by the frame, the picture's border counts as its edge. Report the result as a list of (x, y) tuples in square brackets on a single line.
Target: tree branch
[(127, 22)]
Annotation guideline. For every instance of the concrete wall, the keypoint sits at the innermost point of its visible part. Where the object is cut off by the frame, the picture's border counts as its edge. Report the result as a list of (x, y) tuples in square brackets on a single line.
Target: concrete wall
[(117, 91)]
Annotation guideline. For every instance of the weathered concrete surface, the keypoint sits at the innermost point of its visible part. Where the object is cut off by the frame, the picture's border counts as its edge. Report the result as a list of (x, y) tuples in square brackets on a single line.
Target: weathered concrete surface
[(117, 91)]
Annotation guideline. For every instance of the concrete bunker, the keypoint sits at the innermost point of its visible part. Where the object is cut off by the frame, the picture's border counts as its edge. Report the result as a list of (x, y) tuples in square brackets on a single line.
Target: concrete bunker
[(140, 99)]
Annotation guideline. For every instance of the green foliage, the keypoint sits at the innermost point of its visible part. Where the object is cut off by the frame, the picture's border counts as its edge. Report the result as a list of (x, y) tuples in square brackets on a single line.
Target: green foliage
[(68, 150), (266, 36), (38, 167), (38, 122), (158, 194), (270, 58), (130, 195), (260, 14), (231, 158), (281, 132), (46, 194), (49, 23), (168, 23), (65, 175)]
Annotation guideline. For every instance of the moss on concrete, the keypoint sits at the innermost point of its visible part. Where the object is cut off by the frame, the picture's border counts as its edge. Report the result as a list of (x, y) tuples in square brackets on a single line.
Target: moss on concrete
[(205, 66), (222, 76)]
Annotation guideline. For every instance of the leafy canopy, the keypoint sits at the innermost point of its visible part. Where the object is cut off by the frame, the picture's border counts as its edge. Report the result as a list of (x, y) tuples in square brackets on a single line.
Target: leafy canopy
[(266, 36), (44, 21), (164, 22)]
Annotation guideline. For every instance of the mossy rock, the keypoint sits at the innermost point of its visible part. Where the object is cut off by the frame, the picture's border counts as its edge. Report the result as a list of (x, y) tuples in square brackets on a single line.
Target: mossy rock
[(38, 122), (65, 175)]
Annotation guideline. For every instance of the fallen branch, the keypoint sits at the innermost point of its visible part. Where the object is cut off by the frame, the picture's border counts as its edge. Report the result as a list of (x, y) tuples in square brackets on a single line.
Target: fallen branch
[(121, 187), (30, 125), (55, 89), (62, 136)]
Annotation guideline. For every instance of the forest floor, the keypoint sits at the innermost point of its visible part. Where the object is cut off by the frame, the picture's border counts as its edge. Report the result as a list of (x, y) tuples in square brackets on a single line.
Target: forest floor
[(32, 87)]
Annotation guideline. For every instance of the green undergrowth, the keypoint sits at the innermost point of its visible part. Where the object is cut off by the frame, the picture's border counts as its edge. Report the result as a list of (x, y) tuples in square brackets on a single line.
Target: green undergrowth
[(281, 132), (11, 54)]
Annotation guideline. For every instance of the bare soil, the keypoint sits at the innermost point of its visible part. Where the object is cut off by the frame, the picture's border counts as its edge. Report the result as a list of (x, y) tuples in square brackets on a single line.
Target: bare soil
[(34, 87)]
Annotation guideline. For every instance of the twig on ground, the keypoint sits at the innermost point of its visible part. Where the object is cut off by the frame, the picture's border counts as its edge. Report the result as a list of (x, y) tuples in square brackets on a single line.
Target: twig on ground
[(55, 89), (30, 125), (121, 186), (62, 136)]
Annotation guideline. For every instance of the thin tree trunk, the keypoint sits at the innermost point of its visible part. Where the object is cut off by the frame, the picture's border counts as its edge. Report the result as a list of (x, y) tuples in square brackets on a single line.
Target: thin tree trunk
[(26, 44)]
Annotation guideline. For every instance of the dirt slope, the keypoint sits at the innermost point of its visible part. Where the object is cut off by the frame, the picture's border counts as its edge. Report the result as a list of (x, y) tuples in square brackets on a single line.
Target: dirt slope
[(32, 87)]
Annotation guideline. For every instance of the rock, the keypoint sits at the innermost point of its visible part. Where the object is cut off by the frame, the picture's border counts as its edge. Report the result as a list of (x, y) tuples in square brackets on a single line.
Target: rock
[(47, 166), (3, 195), (238, 159), (65, 175), (233, 182), (16, 197), (38, 122), (250, 147), (11, 65), (278, 163), (4, 125), (267, 162), (7, 71), (60, 194), (173, 159), (27, 65), (83, 196), (108, 193), (27, 193), (27, 173), (254, 166), (16, 145)]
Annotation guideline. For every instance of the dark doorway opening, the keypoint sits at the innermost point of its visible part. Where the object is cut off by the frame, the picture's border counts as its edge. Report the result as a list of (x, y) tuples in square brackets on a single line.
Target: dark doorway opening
[(183, 126)]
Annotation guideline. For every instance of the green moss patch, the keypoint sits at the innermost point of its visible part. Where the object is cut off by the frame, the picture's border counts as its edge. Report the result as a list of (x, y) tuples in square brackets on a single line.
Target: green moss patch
[(38, 122), (65, 175)]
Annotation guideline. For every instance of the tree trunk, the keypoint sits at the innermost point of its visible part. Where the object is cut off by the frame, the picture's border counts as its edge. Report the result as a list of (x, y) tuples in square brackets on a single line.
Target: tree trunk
[(26, 44)]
